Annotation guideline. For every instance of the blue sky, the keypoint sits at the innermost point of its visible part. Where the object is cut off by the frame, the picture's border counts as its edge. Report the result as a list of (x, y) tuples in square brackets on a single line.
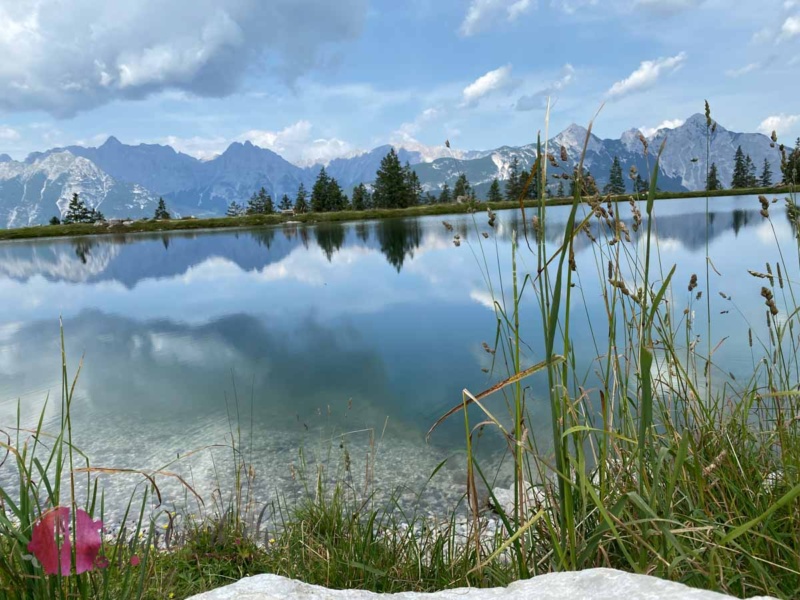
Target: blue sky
[(315, 79)]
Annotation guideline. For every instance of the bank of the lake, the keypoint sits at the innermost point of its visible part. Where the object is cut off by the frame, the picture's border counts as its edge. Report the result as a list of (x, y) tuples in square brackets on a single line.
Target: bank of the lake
[(189, 223)]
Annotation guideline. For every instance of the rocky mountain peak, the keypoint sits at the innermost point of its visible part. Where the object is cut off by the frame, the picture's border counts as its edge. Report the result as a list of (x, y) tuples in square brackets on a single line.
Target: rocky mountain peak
[(631, 139), (111, 142)]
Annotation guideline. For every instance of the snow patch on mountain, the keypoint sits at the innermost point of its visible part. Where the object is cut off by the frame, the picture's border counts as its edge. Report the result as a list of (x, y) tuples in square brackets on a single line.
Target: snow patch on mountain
[(632, 140), (33, 191), (574, 137)]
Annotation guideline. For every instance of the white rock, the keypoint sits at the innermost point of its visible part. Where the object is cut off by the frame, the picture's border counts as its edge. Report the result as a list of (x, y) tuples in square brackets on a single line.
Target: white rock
[(505, 499), (592, 584)]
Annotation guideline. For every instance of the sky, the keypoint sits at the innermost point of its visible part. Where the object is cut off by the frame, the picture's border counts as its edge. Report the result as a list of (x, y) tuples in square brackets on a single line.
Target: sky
[(316, 79)]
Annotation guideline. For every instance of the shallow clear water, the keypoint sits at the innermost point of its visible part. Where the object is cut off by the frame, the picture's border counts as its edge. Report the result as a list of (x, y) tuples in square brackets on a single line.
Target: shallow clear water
[(320, 338)]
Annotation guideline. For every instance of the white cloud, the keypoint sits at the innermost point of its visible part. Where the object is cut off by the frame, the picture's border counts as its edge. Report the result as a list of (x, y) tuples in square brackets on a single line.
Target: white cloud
[(668, 124), (572, 6), (492, 81), (763, 35), (296, 144), (67, 60), (427, 153), (324, 150), (405, 137), (95, 140), (667, 6), (539, 99), (278, 141), (422, 119), (645, 76), (654, 7), (199, 147), (790, 27), (743, 70), (483, 13), (7, 134), (779, 123)]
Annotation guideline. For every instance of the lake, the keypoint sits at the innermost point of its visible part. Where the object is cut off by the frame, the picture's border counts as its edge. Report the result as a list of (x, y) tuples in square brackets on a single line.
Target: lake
[(316, 340)]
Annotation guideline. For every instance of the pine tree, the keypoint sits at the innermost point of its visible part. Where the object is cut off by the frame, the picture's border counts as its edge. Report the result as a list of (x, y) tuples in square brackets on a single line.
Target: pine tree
[(319, 193), (234, 209), (335, 197), (286, 203), (445, 197), (739, 179), (791, 168), (766, 175), (513, 183), (572, 182), (55, 221), (266, 201), (413, 186), (560, 190), (301, 200), (77, 212), (616, 181), (461, 190), (252, 205), (391, 188), (531, 179), (713, 183), (589, 187), (640, 186), (360, 194), (589, 184), (161, 211), (495, 195), (750, 167), (260, 203), (369, 200)]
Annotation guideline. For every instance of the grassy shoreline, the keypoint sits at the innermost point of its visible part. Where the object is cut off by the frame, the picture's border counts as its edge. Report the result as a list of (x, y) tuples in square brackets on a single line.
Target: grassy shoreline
[(149, 226)]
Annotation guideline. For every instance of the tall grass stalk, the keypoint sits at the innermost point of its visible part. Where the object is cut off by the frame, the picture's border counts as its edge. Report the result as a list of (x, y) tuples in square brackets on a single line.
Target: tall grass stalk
[(654, 466), (43, 464)]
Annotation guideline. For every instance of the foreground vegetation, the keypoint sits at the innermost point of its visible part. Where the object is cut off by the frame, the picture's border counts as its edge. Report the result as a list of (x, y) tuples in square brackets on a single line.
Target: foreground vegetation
[(258, 220), (660, 462)]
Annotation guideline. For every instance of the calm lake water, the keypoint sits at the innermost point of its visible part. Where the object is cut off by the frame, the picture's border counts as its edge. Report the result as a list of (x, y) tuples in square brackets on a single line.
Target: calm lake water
[(322, 338)]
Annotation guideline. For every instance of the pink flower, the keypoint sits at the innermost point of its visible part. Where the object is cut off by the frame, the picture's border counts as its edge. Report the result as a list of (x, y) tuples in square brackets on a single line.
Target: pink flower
[(134, 561), (53, 528), (43, 541), (101, 562)]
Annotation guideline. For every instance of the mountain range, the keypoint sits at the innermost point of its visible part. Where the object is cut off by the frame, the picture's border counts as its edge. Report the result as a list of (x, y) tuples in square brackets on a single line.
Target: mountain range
[(126, 181)]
